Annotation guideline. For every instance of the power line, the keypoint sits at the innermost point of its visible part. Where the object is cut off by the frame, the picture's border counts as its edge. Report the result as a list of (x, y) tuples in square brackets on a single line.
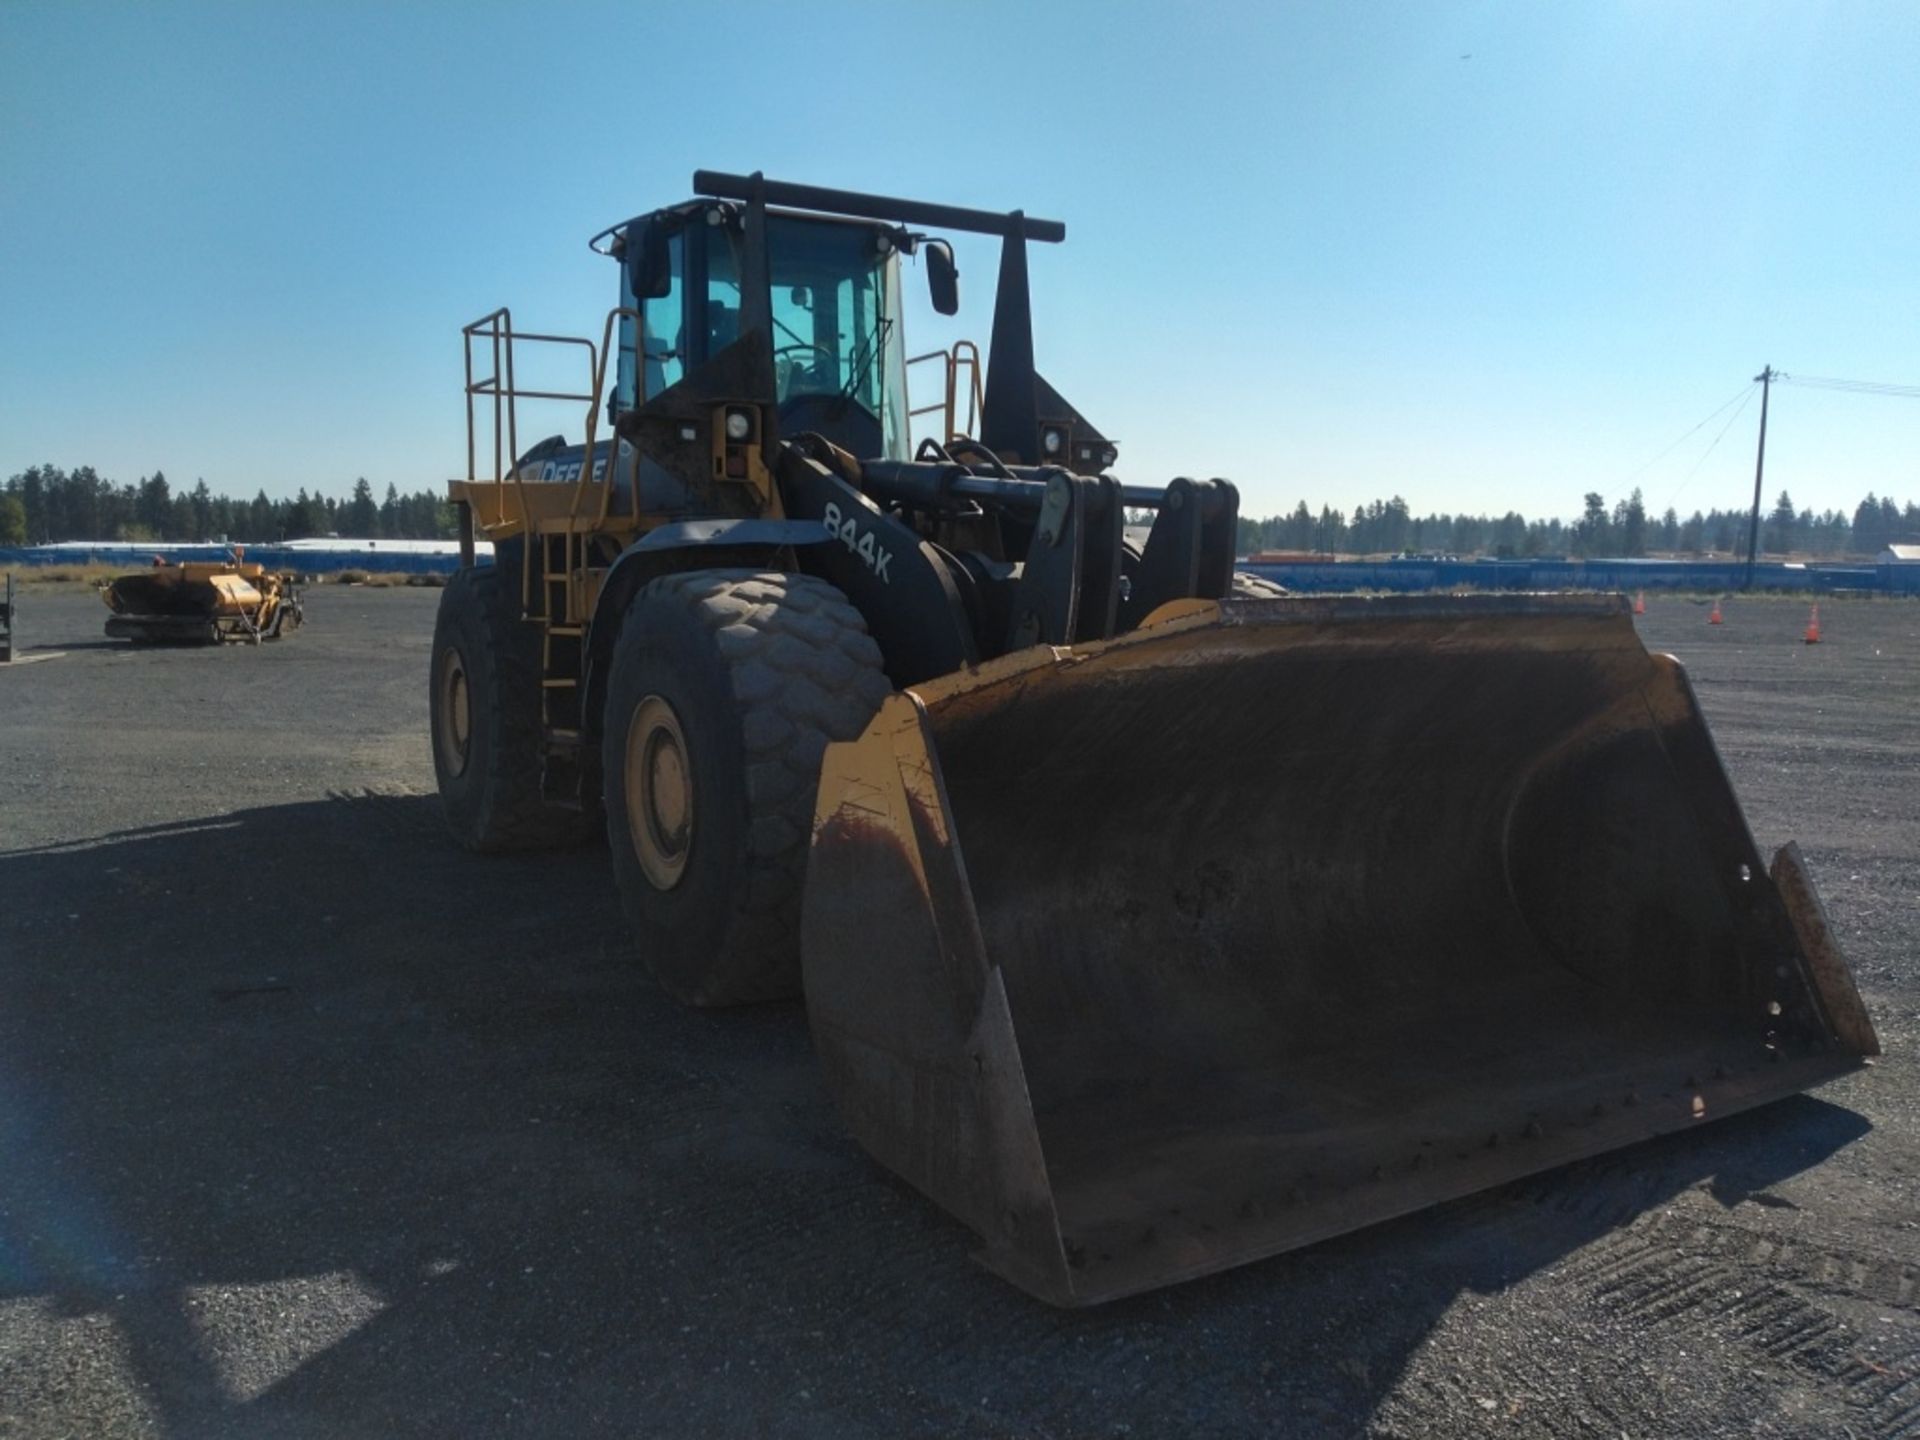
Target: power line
[(1854, 387), (1746, 399), (1746, 390)]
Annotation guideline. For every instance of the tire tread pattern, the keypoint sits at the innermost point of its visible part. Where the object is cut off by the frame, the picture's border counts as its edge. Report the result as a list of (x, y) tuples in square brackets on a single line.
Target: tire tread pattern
[(804, 672), (515, 816)]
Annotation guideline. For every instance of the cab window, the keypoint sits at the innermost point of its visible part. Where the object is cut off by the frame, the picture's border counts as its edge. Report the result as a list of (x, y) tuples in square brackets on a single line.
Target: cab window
[(830, 308)]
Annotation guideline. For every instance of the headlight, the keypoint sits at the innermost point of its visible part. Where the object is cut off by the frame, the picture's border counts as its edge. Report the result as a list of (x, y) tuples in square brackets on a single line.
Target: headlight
[(1052, 441), (739, 424)]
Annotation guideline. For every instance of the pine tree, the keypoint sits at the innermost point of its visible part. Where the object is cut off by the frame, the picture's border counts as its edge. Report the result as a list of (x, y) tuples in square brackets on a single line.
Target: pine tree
[(1777, 537), (362, 518), (201, 500), (153, 510), (1592, 535), (1633, 526)]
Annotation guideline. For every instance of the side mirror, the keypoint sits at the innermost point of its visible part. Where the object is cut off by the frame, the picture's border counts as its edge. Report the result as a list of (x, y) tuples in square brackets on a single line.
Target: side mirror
[(650, 262), (943, 277)]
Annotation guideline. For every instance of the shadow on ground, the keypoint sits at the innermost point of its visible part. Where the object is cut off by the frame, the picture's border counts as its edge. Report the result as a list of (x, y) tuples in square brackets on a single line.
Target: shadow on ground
[(347, 1132)]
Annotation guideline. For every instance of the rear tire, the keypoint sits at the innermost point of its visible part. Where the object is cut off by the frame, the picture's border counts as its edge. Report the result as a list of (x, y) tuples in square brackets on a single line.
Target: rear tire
[(483, 704), (726, 687)]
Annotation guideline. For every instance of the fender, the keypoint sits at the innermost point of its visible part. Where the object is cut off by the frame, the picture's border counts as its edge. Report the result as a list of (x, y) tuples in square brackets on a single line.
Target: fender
[(682, 545), (684, 534)]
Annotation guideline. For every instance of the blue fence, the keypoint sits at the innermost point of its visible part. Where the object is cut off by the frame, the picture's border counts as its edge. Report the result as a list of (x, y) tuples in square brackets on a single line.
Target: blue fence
[(1393, 575), (1606, 575), (329, 561)]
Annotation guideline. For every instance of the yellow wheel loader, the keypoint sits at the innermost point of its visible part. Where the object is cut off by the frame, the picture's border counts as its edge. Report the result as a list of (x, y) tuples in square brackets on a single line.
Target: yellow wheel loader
[(201, 602), (1148, 920)]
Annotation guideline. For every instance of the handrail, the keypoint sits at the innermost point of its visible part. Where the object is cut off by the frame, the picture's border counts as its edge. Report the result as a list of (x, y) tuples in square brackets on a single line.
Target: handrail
[(945, 403), (593, 421), (976, 398), (496, 330), (966, 353)]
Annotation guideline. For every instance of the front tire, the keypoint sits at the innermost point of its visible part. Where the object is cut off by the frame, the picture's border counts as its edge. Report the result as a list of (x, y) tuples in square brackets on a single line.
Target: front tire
[(483, 706), (726, 687)]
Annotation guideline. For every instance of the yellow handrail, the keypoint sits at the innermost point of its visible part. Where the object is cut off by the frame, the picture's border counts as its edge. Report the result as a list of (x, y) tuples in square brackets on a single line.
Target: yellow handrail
[(976, 393), (964, 353), (593, 420), (496, 330)]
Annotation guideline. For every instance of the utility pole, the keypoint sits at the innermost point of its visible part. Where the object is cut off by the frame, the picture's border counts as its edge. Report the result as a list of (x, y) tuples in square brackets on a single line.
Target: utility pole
[(1765, 377)]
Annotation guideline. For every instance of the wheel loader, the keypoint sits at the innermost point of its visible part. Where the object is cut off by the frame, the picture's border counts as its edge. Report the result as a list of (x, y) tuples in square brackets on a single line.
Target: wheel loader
[(1148, 920), (201, 602)]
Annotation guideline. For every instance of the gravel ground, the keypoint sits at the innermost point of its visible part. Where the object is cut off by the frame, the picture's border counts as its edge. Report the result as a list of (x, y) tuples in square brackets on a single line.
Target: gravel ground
[(311, 1125)]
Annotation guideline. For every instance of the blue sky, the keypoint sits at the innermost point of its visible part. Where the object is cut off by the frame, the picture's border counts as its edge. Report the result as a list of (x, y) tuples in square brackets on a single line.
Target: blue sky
[(1310, 247)]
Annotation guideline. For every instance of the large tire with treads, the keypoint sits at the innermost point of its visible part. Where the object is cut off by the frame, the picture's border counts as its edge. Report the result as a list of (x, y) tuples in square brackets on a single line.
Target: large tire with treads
[(483, 705), (1248, 586), (726, 687)]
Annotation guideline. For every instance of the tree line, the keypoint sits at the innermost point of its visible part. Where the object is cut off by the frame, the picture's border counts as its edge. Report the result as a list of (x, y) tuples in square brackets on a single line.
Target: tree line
[(1623, 529), (44, 503)]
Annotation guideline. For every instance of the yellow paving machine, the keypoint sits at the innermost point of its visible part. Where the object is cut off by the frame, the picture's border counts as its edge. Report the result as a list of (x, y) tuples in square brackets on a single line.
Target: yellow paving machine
[(201, 602)]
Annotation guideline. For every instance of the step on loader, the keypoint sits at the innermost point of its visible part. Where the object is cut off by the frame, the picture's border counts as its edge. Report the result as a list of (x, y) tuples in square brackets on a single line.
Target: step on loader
[(1149, 920)]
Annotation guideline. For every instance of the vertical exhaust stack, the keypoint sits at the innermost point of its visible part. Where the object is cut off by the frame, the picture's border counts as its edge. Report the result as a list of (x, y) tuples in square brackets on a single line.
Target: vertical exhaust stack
[(1156, 956)]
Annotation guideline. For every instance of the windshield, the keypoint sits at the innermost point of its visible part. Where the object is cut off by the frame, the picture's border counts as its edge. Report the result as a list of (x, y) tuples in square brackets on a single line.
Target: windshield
[(836, 329)]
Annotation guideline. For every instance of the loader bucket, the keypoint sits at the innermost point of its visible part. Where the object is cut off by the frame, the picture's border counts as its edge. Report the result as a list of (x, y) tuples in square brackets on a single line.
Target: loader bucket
[(1282, 917)]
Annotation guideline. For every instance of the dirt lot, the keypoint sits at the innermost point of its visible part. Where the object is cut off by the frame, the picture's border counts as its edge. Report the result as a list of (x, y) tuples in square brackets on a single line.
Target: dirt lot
[(311, 1125)]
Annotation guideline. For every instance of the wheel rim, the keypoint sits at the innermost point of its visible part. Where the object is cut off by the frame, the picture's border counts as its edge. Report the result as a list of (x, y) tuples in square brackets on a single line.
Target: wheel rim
[(456, 711), (659, 786)]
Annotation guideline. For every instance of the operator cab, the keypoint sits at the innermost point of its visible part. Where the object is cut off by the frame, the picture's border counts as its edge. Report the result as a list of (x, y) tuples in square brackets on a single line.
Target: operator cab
[(839, 359)]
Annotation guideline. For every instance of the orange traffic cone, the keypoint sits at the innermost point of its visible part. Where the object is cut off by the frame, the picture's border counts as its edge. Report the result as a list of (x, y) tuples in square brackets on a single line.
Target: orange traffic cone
[(1640, 603), (1813, 627), (1713, 616)]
